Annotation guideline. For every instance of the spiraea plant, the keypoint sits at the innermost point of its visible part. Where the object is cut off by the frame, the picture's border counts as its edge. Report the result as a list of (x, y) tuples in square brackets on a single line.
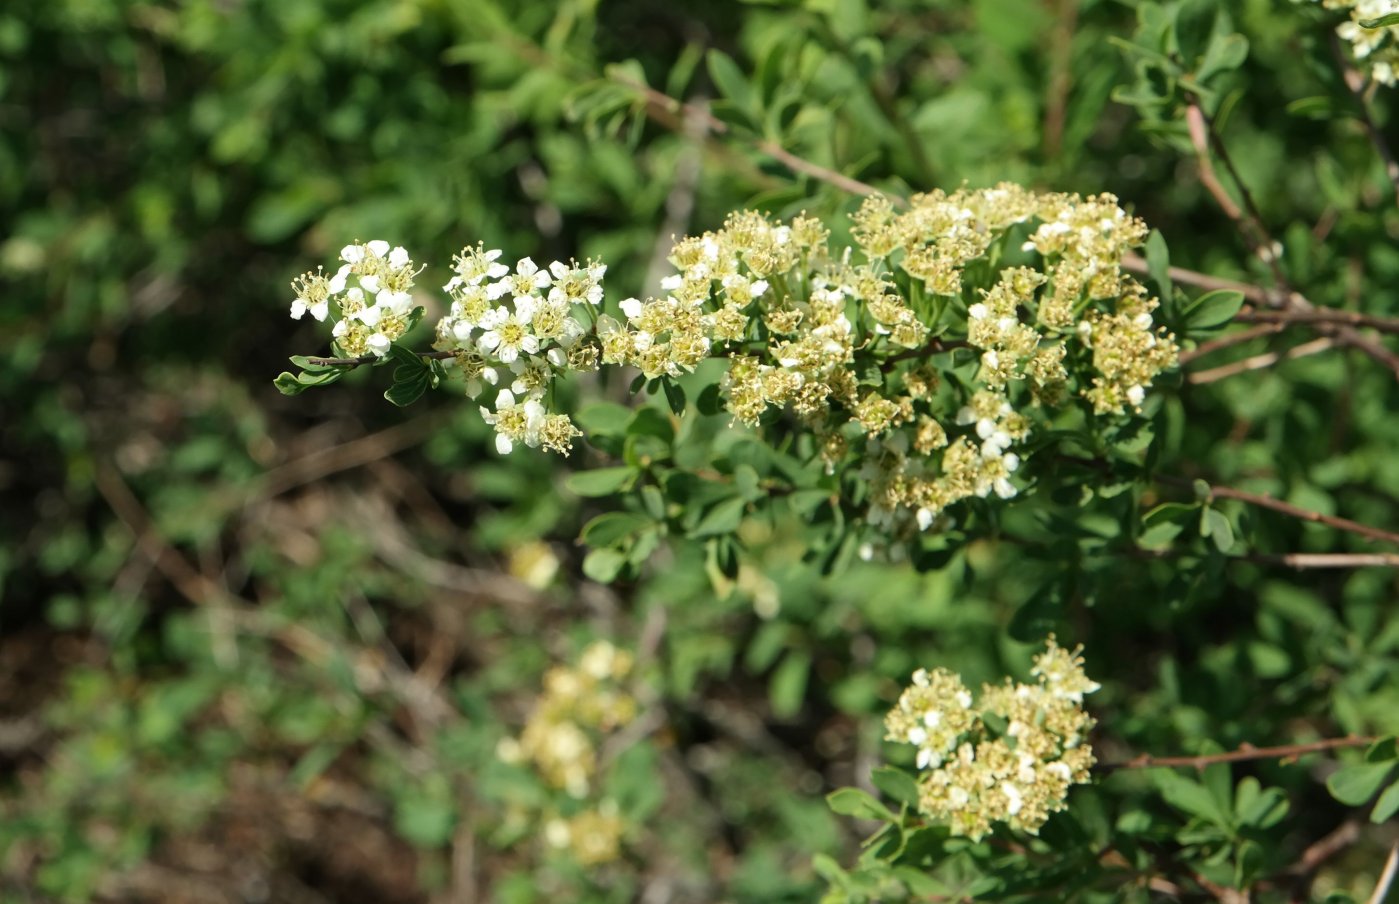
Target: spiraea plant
[(918, 365)]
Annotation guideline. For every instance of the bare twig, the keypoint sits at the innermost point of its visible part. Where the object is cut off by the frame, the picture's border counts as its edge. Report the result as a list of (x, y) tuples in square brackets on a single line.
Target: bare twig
[(675, 113), (1223, 342), (1299, 561), (1286, 508), (1205, 138), (1248, 219), (371, 359), (1391, 869), (353, 454), (1244, 753), (1331, 844), (1258, 362)]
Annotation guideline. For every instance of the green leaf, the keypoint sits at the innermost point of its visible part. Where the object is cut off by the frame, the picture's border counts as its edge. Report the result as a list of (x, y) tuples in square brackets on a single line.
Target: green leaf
[(287, 384), (1318, 107), (1384, 21), (1225, 54), (1190, 797), (1213, 310), (601, 481), (674, 396), (859, 804), (425, 820), (1158, 263), (710, 401), (605, 418), (603, 565), (787, 690), (611, 528), (1387, 805), (651, 422), (731, 82), (1354, 785), (405, 392), (723, 518), (748, 483), (897, 784), (1215, 525)]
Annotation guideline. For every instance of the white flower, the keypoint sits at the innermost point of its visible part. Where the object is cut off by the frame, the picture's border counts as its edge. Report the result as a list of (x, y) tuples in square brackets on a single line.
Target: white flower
[(337, 282), (378, 247), (1013, 799), (508, 336), (399, 303), (398, 257), (352, 254), (379, 344)]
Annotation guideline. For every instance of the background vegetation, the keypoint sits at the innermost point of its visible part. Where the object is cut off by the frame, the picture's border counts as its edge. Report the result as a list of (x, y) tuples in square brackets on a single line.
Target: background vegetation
[(257, 648)]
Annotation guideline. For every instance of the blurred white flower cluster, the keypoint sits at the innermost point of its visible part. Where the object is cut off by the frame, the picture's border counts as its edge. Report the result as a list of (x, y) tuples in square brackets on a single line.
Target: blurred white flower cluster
[(1374, 48), (580, 707), (971, 775)]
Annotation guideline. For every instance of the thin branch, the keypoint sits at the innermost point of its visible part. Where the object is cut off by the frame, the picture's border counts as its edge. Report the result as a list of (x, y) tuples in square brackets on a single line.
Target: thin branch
[(1300, 561), (371, 359), (1243, 753), (676, 112), (1286, 508), (1254, 229), (1233, 339), (1321, 316), (1258, 362), (1331, 844), (1391, 869), (1205, 137), (1359, 89), (1295, 308)]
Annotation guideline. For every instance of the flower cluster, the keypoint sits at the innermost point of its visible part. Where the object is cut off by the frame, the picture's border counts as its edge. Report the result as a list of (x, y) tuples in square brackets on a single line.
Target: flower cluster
[(527, 342), (920, 357), (972, 775), (579, 707), (1376, 47), (377, 311)]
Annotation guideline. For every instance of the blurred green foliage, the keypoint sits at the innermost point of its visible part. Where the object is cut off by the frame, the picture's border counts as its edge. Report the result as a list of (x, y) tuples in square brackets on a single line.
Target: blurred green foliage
[(255, 647)]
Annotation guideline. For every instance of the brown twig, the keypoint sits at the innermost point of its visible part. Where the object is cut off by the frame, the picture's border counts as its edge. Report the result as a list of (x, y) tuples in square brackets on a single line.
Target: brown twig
[(1295, 308), (1286, 508), (1258, 362), (1331, 844), (184, 577), (1223, 342), (371, 359), (1321, 316), (1205, 139), (1242, 754), (676, 112), (1391, 870), (1300, 561), (1204, 136)]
